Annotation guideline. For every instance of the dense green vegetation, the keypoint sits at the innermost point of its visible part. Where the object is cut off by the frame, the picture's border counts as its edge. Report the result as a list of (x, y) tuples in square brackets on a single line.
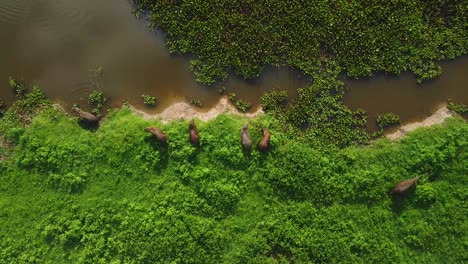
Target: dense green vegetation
[(358, 36), (240, 104), (114, 195), (387, 120), (97, 100), (460, 109)]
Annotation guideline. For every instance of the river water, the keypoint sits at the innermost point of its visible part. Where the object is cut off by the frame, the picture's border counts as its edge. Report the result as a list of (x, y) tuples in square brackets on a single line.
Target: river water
[(56, 44)]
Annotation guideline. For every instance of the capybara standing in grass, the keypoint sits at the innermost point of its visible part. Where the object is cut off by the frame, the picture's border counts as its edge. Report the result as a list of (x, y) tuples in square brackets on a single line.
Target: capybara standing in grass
[(265, 142), (245, 137), (85, 116), (158, 134), (193, 132), (402, 187)]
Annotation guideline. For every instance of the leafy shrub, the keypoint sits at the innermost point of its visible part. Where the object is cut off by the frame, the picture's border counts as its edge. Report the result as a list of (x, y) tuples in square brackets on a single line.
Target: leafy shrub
[(387, 120), (148, 100), (426, 194), (68, 183)]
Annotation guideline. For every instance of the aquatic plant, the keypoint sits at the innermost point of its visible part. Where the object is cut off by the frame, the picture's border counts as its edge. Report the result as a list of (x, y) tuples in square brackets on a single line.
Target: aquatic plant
[(240, 104), (274, 100), (460, 109), (148, 100), (222, 90), (387, 120), (18, 87), (2, 108), (361, 38), (97, 99), (195, 101)]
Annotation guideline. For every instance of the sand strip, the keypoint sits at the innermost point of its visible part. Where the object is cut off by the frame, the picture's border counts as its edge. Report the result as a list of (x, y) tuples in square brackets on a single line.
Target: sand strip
[(437, 118), (186, 111)]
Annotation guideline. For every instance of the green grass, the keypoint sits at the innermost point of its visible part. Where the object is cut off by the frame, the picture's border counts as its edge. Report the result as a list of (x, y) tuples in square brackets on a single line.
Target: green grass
[(69, 195)]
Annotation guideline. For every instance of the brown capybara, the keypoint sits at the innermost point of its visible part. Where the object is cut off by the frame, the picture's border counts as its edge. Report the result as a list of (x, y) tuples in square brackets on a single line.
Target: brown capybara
[(265, 142), (86, 116), (193, 132), (403, 186), (245, 137), (158, 134)]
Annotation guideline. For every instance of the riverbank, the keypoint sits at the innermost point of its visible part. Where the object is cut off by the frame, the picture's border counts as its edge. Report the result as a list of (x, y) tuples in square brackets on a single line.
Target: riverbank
[(183, 110), (70, 194), (438, 117)]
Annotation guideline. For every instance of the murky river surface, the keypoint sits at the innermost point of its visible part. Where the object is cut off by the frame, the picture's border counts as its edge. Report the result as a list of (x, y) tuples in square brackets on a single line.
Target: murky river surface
[(56, 43)]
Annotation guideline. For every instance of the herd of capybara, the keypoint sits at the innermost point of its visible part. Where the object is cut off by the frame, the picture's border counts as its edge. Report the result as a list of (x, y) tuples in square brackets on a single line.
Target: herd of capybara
[(194, 137), (398, 190)]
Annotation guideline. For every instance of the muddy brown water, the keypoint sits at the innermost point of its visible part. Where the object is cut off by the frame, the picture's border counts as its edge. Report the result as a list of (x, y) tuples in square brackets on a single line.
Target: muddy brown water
[(56, 44)]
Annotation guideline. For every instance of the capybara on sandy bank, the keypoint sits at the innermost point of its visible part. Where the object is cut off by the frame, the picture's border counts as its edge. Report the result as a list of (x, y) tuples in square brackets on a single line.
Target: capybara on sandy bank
[(245, 137), (265, 142), (193, 133), (158, 134)]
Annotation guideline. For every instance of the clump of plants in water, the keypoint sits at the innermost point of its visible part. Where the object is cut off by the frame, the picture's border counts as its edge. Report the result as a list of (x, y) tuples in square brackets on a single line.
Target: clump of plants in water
[(247, 36), (18, 87), (387, 120), (460, 109), (240, 104), (274, 100), (148, 100), (20, 113), (195, 101), (2, 108), (97, 100), (222, 90)]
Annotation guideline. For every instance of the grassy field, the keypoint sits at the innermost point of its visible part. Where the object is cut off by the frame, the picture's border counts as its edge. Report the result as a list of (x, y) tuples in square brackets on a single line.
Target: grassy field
[(114, 195)]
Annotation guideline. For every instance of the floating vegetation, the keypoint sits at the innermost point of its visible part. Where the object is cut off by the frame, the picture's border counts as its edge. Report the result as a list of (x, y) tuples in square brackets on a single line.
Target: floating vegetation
[(387, 120), (2, 108), (18, 87), (460, 109), (222, 90), (240, 104), (360, 38), (149, 100), (194, 101), (97, 100), (274, 100)]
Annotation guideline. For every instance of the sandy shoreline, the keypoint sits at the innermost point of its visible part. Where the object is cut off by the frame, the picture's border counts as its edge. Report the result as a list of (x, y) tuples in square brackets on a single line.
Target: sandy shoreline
[(438, 117), (183, 110)]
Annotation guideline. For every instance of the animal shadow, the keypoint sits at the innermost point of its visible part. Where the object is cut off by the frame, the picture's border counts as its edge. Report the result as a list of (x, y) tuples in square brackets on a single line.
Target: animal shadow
[(88, 126)]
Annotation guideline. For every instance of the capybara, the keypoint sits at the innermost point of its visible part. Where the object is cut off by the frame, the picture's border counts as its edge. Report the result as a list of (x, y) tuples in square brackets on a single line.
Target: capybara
[(86, 116), (158, 134), (403, 186), (193, 132), (245, 137), (265, 142)]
